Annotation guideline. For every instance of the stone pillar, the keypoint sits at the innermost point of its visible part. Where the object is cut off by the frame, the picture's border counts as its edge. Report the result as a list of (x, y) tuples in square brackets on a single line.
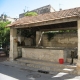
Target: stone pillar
[(13, 44), (38, 36), (78, 62)]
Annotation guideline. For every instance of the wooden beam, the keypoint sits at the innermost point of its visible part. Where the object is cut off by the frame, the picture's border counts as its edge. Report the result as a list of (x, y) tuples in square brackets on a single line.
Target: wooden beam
[(70, 28)]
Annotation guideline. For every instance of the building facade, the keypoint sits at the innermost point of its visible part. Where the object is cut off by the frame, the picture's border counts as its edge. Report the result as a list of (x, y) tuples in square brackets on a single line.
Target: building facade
[(41, 10)]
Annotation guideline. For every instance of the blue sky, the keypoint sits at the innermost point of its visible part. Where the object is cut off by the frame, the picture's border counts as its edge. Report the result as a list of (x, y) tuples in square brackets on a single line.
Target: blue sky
[(14, 7)]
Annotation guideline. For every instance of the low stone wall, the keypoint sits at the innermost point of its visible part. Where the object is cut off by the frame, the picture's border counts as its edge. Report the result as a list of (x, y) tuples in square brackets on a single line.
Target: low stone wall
[(43, 54)]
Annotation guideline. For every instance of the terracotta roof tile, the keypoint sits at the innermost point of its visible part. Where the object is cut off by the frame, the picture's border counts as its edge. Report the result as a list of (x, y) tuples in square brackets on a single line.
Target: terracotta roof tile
[(47, 16)]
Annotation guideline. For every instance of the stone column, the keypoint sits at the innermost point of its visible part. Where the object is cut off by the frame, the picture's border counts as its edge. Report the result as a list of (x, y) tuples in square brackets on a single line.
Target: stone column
[(13, 44), (38, 36), (78, 62)]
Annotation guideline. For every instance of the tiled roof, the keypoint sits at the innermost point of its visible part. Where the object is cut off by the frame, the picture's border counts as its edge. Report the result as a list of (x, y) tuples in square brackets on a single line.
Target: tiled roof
[(47, 17)]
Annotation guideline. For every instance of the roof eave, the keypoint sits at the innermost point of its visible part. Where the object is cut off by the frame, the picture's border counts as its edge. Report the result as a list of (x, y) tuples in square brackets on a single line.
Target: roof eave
[(46, 22)]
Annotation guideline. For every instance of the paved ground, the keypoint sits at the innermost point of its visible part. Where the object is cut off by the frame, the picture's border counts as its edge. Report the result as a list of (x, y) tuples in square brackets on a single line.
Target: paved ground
[(12, 71)]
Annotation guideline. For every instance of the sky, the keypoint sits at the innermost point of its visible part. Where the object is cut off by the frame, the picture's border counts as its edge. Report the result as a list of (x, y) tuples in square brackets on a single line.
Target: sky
[(13, 8)]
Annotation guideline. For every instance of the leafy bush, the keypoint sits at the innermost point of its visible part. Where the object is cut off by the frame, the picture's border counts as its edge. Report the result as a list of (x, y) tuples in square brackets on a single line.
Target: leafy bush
[(30, 14)]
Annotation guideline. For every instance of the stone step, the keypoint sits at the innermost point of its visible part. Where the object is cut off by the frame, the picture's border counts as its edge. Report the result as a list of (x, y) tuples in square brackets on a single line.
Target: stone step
[(45, 63), (47, 66), (51, 70)]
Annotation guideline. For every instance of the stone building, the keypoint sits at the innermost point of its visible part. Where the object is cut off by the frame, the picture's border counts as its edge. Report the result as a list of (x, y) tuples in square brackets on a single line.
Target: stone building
[(44, 51), (41, 10)]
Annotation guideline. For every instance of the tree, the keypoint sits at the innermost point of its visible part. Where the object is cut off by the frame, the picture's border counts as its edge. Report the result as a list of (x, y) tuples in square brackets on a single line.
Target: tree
[(30, 14), (4, 33)]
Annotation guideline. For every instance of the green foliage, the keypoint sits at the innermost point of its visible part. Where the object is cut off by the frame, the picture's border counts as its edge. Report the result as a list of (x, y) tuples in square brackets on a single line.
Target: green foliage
[(64, 31), (4, 33), (30, 14)]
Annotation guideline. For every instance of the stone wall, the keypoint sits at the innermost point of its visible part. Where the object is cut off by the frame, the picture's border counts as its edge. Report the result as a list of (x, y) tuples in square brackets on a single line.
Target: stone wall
[(66, 40), (44, 54)]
